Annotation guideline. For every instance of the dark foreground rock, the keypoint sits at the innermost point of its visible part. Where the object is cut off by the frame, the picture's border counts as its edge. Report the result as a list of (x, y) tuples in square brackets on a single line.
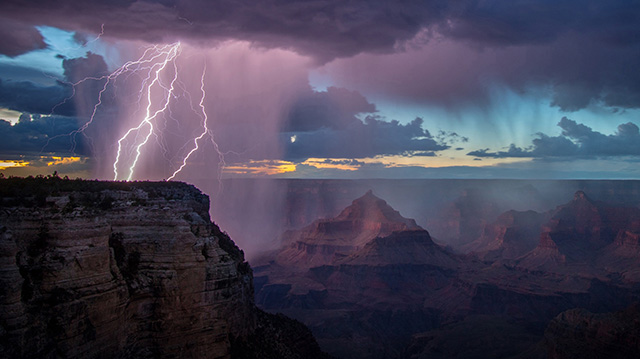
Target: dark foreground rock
[(578, 333), (277, 337)]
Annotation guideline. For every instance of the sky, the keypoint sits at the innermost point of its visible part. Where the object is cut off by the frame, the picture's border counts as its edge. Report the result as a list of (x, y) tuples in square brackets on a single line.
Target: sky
[(197, 90)]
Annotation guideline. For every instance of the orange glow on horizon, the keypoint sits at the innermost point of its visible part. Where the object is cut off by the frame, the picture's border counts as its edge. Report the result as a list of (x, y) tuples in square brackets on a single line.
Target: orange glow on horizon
[(12, 164), (55, 160), (265, 167), (332, 163)]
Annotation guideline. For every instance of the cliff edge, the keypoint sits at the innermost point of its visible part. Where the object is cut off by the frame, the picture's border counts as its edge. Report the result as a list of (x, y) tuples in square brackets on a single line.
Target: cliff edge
[(94, 269)]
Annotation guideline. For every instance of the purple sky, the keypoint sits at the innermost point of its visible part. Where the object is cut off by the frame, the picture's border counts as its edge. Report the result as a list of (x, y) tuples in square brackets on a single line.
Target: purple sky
[(341, 89)]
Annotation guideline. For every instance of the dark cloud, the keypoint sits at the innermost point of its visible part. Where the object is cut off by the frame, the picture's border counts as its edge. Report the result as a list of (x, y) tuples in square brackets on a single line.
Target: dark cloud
[(360, 140), (576, 140), (450, 137), (17, 38), (345, 162), (326, 29), (575, 70), (334, 109), (324, 124), (337, 28), (586, 51), (41, 134), (53, 110), (91, 65), (349, 162), (520, 22), (34, 98), (55, 97)]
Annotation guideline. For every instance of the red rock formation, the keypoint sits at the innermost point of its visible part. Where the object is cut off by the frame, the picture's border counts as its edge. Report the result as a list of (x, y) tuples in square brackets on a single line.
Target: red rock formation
[(579, 233), (326, 240), (369, 301), (463, 221), (402, 247), (367, 259), (512, 235)]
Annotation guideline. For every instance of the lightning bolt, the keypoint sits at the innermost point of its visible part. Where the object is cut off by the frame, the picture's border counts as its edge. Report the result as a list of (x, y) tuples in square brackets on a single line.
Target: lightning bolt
[(156, 93), (204, 126), (147, 121)]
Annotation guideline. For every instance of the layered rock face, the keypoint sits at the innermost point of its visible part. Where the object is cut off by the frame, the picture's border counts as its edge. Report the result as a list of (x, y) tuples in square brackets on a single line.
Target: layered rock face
[(464, 220), (358, 279), (114, 270), (512, 235), (587, 236), (402, 295), (326, 240)]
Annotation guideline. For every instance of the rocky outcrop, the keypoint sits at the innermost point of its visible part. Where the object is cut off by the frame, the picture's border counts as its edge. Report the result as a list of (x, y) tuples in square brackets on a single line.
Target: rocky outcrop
[(277, 337), (583, 235), (463, 221), (369, 300), (118, 270), (578, 333), (512, 235), (327, 240), (402, 247), (354, 277)]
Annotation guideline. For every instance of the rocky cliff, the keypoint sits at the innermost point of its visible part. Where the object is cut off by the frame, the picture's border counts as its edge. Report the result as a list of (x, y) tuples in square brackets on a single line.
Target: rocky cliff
[(578, 333), (326, 240), (586, 236), (119, 270), (512, 235)]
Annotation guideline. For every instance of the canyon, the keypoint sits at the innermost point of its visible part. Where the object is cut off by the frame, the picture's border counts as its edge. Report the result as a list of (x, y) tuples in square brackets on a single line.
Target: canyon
[(354, 269), (503, 280)]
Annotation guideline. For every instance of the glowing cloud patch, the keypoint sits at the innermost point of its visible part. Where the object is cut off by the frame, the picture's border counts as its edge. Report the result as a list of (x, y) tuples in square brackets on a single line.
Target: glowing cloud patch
[(343, 164), (12, 164), (264, 167), (55, 160)]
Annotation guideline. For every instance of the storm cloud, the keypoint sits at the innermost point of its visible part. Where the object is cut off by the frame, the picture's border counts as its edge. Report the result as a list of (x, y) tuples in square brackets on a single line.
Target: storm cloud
[(17, 38), (328, 124), (585, 51), (370, 138), (335, 109), (55, 98), (35, 134), (26, 96), (336, 28), (576, 140)]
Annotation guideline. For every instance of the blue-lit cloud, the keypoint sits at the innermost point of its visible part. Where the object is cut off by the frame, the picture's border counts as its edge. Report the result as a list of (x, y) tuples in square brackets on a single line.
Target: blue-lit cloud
[(576, 140), (38, 134), (37, 98)]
